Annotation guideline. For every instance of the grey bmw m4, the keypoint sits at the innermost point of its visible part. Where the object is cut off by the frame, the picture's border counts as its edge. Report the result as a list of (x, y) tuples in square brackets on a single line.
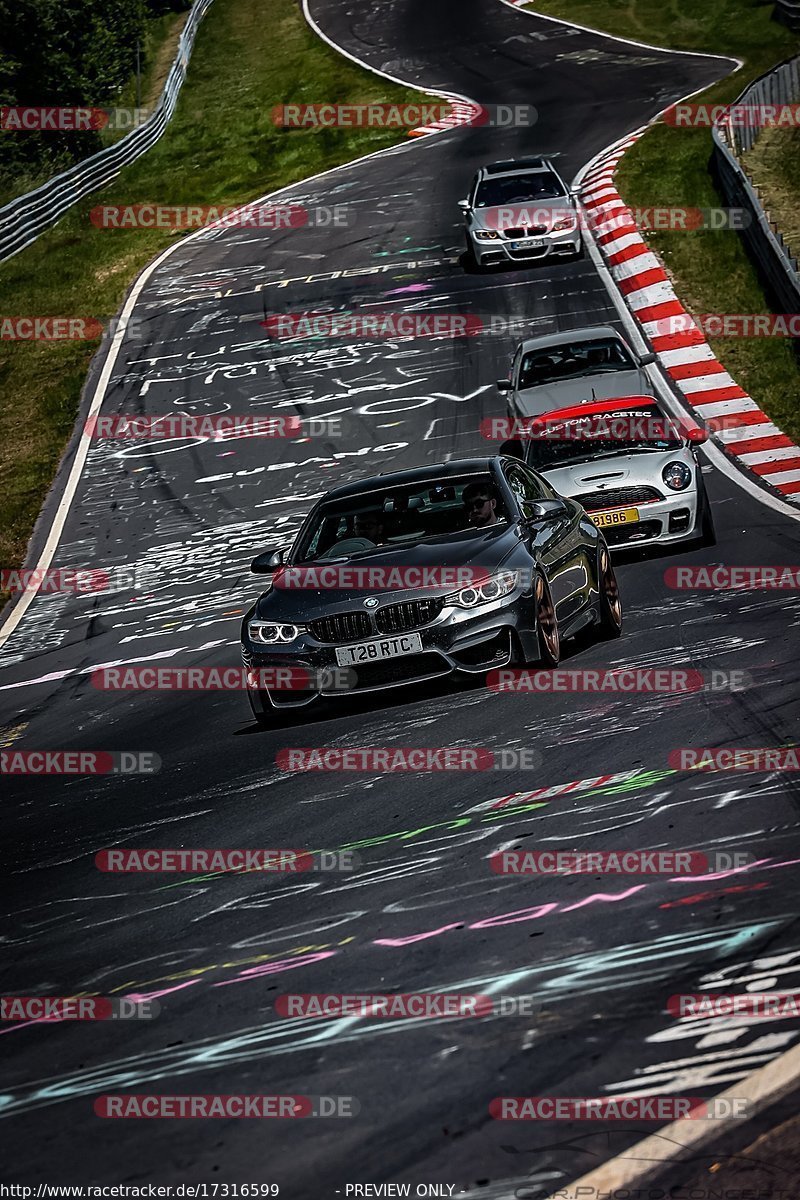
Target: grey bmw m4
[(456, 568)]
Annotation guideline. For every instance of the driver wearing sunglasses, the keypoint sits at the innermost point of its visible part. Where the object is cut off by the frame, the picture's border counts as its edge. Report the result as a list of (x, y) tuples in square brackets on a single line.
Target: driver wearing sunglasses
[(480, 504)]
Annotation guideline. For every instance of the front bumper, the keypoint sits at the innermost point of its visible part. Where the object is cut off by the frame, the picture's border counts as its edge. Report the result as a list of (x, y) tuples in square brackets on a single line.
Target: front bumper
[(465, 641), (678, 518), (533, 249)]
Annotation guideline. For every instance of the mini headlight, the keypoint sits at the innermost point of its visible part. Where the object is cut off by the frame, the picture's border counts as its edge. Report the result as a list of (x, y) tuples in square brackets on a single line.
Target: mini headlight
[(486, 235), (269, 633), (492, 589), (676, 475)]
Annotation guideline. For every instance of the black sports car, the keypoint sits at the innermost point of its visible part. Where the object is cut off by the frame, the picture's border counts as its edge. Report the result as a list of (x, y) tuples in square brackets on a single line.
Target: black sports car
[(465, 566)]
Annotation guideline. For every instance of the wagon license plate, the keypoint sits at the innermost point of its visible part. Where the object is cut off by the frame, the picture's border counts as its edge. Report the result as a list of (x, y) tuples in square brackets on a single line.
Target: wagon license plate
[(616, 516), (393, 647)]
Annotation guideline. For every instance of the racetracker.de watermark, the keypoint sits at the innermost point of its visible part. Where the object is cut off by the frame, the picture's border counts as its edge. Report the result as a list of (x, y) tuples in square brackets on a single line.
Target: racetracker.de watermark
[(223, 679), (728, 325), (331, 115), (77, 1008), (616, 862), (607, 427), (49, 119), (619, 680), (376, 578), (619, 1108), (598, 218), (216, 426), (214, 216), (389, 325), (775, 1006), (196, 1107), (740, 116), (407, 758), (76, 581), (388, 759), (409, 1005), (79, 762), (737, 758), (66, 329), (196, 862), (784, 577)]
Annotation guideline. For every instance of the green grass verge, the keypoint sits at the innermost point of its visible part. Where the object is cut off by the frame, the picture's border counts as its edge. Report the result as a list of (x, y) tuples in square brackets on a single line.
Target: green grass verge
[(158, 55), (774, 166), (221, 148), (710, 270)]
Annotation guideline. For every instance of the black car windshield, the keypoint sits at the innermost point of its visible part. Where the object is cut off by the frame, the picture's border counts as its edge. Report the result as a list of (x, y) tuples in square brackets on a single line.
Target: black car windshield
[(572, 359), (519, 189), (400, 516), (628, 432)]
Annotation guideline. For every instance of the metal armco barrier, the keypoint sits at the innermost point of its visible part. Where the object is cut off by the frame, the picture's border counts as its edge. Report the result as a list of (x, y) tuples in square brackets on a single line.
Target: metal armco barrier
[(27, 216), (788, 13), (762, 239)]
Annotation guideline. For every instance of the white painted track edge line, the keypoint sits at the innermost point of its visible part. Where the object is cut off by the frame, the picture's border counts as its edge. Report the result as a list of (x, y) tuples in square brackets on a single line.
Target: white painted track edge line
[(761, 1088), (59, 520), (624, 41), (376, 70)]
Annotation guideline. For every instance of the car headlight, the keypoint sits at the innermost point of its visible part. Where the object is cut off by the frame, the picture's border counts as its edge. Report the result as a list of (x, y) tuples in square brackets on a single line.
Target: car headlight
[(270, 633), (491, 589), (564, 223), (486, 235), (676, 475)]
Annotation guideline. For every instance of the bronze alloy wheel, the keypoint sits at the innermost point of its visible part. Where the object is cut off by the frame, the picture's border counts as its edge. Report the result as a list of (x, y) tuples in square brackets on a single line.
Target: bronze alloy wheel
[(610, 603), (546, 624)]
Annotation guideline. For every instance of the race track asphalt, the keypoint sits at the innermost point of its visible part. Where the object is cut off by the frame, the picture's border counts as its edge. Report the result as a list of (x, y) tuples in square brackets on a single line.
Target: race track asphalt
[(600, 955)]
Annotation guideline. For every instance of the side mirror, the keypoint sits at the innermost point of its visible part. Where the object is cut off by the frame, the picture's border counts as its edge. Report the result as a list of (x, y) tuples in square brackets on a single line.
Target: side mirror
[(266, 563), (647, 359), (543, 510), (504, 385), (464, 205), (696, 435), (513, 448)]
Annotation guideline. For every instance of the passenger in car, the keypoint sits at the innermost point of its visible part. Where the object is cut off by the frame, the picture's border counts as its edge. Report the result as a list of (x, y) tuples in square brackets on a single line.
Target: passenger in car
[(370, 525)]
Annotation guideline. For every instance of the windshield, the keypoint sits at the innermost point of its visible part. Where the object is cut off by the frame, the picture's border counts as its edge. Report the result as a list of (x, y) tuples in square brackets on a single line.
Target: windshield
[(518, 189), (628, 432), (572, 359), (401, 516)]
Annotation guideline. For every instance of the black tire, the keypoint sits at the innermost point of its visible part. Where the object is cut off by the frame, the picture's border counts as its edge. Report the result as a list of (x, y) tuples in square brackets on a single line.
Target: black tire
[(708, 536), (610, 605), (470, 261), (547, 634), (267, 718)]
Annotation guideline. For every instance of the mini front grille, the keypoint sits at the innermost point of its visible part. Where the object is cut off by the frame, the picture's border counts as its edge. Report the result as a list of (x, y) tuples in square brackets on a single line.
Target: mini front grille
[(623, 535), (411, 614), (615, 497), (342, 627)]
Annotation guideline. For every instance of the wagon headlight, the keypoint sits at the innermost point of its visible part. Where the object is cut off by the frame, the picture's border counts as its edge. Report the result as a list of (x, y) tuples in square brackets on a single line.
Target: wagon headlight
[(272, 633), (491, 589), (486, 235), (676, 475)]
